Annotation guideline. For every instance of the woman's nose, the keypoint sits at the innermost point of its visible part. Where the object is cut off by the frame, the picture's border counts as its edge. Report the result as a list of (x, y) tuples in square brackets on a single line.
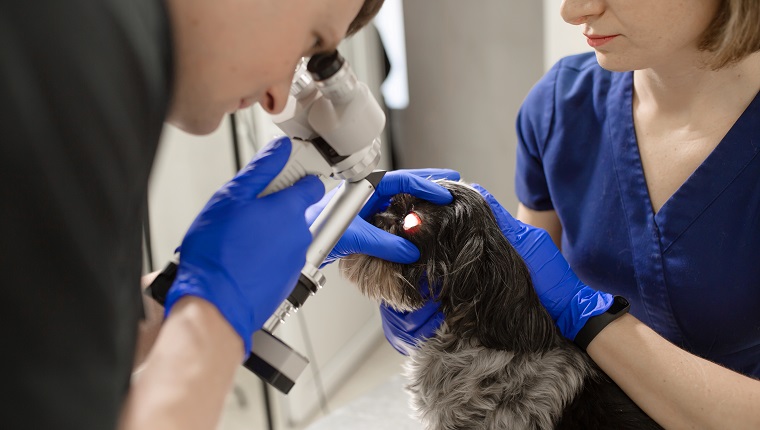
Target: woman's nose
[(577, 12)]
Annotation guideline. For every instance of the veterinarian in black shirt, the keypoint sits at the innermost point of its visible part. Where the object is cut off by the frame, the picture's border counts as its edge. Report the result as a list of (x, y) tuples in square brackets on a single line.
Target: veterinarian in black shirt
[(86, 86)]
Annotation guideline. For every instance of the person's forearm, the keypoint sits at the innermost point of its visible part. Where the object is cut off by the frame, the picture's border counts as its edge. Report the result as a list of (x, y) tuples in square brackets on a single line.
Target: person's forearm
[(547, 220), (677, 389), (188, 373)]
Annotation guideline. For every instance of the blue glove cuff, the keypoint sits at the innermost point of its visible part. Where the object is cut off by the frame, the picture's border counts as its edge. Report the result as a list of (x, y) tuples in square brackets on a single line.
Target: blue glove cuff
[(586, 303), (189, 285)]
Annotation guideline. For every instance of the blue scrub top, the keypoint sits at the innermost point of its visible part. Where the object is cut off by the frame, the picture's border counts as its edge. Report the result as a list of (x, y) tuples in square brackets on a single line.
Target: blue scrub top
[(692, 270)]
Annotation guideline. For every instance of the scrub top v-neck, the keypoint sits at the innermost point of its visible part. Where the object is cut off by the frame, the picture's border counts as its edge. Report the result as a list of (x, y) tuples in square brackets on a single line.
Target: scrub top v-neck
[(691, 270)]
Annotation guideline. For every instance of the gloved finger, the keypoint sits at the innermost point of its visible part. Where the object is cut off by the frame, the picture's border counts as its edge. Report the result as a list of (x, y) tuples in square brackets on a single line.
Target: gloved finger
[(252, 179), (414, 321), (401, 181), (405, 330), (365, 238), (314, 210), (508, 225), (307, 191), (434, 174), (400, 341)]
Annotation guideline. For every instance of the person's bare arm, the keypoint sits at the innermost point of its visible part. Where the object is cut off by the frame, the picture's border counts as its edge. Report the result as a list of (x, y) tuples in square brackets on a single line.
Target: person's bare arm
[(547, 220), (187, 374), (677, 389)]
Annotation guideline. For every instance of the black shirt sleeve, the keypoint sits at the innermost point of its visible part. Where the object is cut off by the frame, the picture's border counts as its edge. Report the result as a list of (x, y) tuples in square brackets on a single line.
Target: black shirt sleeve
[(84, 86)]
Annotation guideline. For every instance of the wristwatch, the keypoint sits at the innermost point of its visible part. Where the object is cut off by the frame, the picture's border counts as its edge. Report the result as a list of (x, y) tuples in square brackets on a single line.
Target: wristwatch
[(595, 324), (159, 288)]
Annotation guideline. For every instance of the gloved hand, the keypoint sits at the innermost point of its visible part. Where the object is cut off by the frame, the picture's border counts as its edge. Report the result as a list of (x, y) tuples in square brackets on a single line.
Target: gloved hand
[(401, 329), (244, 254), (569, 301), (361, 237), (404, 330)]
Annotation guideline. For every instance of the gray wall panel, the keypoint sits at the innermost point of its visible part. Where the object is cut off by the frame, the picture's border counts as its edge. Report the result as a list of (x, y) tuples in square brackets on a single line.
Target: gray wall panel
[(470, 66)]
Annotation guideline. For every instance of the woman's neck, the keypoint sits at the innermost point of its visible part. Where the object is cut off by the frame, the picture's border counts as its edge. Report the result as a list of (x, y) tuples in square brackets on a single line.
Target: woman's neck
[(686, 87)]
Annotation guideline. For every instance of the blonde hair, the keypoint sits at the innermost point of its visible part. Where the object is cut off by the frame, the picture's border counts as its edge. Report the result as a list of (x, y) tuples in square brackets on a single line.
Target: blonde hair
[(734, 33)]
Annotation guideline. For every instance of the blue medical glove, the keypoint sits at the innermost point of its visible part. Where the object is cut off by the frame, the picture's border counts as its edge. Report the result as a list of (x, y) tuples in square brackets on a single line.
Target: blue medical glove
[(361, 237), (401, 329), (244, 254), (405, 330), (569, 301)]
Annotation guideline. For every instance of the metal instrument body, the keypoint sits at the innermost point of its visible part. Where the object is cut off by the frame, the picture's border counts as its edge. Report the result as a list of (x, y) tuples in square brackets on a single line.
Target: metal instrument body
[(333, 121), (334, 124)]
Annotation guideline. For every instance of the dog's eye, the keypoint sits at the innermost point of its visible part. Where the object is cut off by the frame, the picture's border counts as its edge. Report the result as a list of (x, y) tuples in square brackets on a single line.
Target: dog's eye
[(412, 222)]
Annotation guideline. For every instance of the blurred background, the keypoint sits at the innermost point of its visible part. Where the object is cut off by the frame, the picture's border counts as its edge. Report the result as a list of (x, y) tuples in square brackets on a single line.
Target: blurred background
[(452, 76)]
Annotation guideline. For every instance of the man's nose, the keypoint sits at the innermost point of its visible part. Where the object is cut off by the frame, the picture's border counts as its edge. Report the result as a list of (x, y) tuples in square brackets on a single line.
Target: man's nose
[(276, 97)]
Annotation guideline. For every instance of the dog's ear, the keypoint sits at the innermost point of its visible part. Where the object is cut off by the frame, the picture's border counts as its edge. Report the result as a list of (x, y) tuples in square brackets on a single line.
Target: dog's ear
[(512, 316), (487, 291)]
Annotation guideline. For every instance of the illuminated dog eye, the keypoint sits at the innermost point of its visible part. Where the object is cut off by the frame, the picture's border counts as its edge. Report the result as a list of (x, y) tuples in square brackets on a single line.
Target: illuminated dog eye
[(412, 221)]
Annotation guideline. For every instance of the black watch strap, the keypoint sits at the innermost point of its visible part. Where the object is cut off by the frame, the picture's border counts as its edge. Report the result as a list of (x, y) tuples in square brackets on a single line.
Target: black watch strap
[(159, 288), (594, 325)]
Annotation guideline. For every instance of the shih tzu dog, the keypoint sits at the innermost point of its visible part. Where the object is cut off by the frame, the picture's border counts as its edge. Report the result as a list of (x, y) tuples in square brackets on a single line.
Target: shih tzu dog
[(497, 361)]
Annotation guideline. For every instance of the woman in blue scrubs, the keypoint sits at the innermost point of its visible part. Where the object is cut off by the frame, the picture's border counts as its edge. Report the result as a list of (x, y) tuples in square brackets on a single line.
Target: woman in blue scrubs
[(641, 161), (649, 180)]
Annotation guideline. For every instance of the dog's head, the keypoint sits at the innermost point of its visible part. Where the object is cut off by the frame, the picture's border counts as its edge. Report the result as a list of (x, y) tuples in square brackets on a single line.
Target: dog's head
[(482, 284)]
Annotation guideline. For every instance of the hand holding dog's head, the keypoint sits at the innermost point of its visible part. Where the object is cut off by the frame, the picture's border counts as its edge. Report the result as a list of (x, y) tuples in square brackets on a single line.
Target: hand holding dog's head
[(435, 230), (466, 264)]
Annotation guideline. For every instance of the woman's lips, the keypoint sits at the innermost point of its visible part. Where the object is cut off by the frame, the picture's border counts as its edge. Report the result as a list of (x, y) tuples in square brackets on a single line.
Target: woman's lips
[(596, 41)]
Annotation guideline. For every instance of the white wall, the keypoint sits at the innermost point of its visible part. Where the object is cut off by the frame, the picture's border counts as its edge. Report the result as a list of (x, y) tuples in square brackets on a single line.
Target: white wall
[(561, 39), (470, 64)]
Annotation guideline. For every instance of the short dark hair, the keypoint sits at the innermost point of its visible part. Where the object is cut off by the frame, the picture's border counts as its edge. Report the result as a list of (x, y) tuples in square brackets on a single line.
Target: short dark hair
[(365, 15), (734, 33)]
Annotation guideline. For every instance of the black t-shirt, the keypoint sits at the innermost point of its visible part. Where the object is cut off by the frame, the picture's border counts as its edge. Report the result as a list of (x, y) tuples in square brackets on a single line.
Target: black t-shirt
[(84, 89)]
